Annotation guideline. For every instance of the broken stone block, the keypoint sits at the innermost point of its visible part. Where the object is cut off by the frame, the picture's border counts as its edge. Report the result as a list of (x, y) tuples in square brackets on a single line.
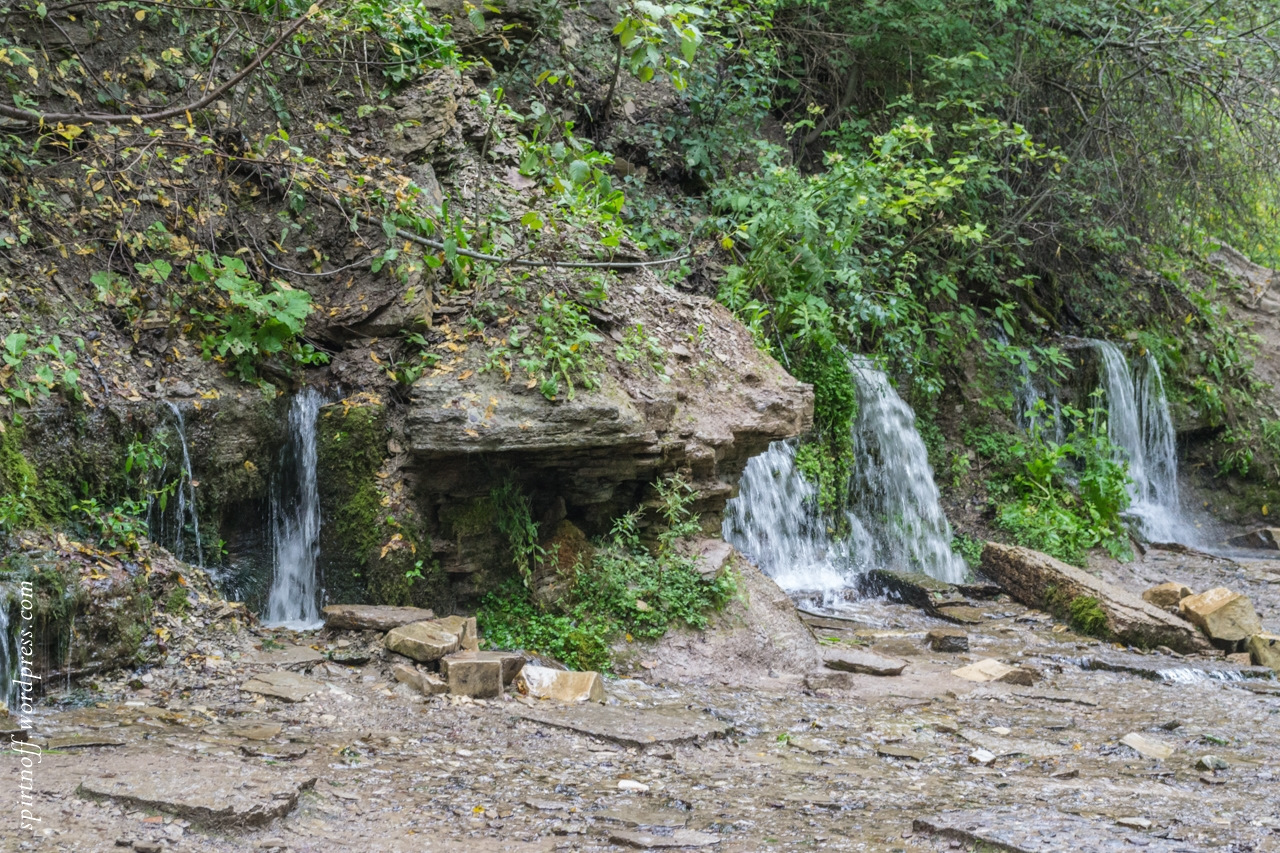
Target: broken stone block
[(371, 617), (426, 683), (465, 628), (1240, 659), (512, 663), (471, 675), (987, 669), (1224, 616), (541, 682), (421, 641), (1166, 595), (1264, 648), (947, 640), (856, 660)]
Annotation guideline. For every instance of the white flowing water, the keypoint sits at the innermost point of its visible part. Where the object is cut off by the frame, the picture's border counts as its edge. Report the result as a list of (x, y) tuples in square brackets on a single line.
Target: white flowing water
[(895, 518), (1138, 423), (295, 517), (8, 656), (185, 514)]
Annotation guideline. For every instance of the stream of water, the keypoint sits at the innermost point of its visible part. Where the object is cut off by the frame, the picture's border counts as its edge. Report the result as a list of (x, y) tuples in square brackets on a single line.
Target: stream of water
[(184, 514), (895, 518), (295, 518), (8, 654)]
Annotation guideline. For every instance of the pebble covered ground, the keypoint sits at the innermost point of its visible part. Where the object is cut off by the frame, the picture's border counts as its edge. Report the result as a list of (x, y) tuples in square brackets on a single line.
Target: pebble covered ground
[(179, 758)]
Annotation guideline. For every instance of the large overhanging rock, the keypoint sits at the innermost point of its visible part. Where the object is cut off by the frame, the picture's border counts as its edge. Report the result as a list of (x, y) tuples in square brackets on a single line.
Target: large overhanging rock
[(1039, 580), (591, 456)]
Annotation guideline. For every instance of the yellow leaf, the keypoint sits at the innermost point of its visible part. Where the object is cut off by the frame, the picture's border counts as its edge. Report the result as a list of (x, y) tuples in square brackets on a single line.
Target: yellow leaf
[(35, 75), (466, 374), (726, 243), (99, 185), (139, 15), (249, 466), (70, 131), (1264, 509), (373, 355)]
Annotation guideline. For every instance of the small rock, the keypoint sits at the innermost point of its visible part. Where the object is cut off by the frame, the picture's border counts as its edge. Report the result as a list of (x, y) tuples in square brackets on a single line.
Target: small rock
[(982, 756), (1223, 615), (272, 844), (1167, 595), (947, 640), (1265, 649), (1240, 658), (632, 785), (1212, 762), (147, 846), (1135, 822), (1073, 773), (893, 751), (540, 682), (422, 641), (829, 679), (1264, 538), (1146, 746)]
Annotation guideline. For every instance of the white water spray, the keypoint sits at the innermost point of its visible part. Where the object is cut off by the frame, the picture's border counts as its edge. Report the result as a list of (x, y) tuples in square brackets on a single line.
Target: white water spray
[(295, 516), (1138, 423), (8, 656), (895, 519)]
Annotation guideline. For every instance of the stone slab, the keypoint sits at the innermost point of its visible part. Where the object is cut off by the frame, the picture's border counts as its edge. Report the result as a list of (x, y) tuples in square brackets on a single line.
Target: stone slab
[(679, 838), (511, 662), (421, 641), (206, 792), (371, 617), (1025, 829), (282, 684), (639, 727), (1164, 668)]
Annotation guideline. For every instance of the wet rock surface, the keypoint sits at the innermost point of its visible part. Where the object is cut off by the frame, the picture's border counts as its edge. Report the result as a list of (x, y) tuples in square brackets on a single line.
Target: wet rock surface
[(862, 762)]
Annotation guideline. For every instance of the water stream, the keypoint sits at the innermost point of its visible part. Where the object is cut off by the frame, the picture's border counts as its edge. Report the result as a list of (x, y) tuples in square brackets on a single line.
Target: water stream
[(295, 518), (8, 654), (894, 520)]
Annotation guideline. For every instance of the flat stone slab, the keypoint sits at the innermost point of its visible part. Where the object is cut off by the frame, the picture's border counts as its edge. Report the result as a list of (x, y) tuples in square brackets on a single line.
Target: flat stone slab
[(628, 726), (210, 793), (655, 841), (372, 617), (282, 684), (82, 742), (292, 655), (1028, 830), (857, 660)]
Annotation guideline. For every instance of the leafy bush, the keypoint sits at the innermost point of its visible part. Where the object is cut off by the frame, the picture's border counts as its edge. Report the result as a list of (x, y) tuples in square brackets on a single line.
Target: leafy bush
[(628, 590), (249, 324)]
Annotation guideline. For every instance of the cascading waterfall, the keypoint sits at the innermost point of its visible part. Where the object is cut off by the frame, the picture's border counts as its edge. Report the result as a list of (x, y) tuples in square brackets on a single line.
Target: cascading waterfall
[(894, 491), (895, 518), (295, 517), (185, 514), (1138, 423)]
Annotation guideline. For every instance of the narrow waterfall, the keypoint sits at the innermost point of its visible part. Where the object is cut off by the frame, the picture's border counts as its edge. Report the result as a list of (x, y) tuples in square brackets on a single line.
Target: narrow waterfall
[(8, 656), (1138, 423), (895, 518), (185, 515), (295, 518)]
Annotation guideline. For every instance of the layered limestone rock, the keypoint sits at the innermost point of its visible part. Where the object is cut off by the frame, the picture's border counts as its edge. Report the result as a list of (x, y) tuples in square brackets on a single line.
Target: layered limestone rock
[(1226, 617), (591, 455)]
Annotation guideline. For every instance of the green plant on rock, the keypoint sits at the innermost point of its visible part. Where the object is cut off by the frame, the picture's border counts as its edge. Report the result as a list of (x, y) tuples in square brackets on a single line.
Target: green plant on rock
[(1087, 616), (556, 351), (248, 324)]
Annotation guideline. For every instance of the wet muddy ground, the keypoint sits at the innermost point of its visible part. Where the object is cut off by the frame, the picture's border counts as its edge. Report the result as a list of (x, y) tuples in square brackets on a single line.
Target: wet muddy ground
[(180, 758)]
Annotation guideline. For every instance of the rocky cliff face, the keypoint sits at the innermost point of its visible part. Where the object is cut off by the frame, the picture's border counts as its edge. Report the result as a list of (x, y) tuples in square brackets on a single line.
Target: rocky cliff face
[(715, 402)]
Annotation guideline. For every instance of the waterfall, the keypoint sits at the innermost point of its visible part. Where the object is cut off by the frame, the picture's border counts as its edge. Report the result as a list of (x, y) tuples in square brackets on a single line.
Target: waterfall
[(185, 510), (295, 518), (1138, 424), (895, 495), (775, 521), (895, 519), (8, 657)]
